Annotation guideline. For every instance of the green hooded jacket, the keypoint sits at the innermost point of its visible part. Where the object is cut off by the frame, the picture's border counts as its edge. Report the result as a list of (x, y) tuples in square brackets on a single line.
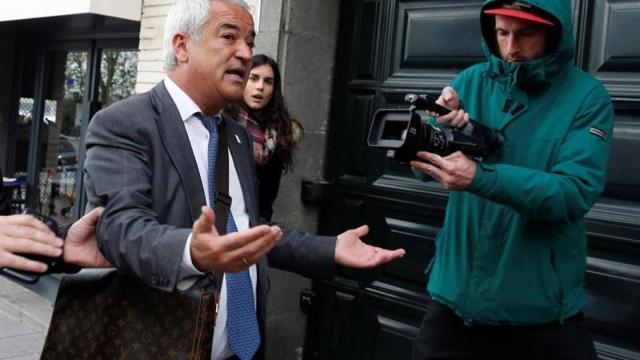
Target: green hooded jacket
[(512, 249)]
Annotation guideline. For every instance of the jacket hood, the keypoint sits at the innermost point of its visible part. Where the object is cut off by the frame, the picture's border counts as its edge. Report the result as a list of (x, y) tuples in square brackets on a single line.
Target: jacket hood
[(536, 72)]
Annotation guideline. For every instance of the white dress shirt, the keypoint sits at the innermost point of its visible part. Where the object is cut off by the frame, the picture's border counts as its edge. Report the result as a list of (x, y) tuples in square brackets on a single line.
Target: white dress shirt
[(199, 140)]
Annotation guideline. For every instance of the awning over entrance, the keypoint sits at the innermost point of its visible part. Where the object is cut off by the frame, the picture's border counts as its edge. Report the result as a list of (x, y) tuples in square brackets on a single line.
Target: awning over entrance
[(31, 9)]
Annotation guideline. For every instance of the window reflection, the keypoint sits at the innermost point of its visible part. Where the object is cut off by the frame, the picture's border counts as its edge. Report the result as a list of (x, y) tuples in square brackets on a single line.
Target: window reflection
[(118, 71), (60, 133)]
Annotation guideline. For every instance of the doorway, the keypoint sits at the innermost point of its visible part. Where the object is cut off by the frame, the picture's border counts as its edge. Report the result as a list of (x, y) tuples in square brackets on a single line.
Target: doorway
[(59, 88)]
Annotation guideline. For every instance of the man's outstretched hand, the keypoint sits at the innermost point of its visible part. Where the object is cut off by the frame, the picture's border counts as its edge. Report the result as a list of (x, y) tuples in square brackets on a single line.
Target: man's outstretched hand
[(232, 252), (352, 252)]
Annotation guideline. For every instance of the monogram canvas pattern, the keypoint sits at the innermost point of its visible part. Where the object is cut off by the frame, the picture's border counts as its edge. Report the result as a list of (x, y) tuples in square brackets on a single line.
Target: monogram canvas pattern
[(113, 316)]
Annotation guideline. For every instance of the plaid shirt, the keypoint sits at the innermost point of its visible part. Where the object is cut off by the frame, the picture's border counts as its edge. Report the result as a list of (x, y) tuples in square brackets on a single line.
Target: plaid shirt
[(264, 142)]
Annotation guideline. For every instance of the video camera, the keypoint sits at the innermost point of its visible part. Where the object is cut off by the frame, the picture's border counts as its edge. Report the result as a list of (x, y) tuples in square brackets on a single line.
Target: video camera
[(403, 132), (54, 265)]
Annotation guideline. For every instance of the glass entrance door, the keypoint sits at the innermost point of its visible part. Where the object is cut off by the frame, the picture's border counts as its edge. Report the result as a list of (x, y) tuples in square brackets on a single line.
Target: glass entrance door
[(60, 124), (58, 93)]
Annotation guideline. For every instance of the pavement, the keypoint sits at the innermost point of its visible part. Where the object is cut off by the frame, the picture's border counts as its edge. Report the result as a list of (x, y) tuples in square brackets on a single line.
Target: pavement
[(25, 312)]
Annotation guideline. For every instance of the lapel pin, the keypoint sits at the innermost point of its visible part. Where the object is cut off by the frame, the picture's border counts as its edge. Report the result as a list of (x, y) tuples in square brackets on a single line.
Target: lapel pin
[(238, 139)]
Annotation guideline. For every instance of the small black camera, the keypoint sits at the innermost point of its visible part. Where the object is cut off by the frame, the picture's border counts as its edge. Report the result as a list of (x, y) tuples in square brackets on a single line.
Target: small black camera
[(54, 265), (403, 132)]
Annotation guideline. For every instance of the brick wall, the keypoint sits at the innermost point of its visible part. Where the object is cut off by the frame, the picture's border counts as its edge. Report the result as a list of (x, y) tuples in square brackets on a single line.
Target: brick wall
[(150, 60)]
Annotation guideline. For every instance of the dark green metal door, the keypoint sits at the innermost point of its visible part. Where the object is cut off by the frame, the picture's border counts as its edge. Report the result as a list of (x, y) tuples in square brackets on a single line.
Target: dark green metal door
[(392, 47)]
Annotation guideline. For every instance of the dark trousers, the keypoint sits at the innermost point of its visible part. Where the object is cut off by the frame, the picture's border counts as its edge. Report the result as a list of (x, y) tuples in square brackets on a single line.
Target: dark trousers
[(443, 335)]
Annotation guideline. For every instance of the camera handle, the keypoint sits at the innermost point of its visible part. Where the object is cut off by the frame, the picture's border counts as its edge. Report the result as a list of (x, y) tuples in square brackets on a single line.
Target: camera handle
[(427, 102), (491, 137)]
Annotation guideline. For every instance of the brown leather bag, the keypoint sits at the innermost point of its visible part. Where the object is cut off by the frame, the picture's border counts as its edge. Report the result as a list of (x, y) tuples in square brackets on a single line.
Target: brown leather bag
[(105, 314)]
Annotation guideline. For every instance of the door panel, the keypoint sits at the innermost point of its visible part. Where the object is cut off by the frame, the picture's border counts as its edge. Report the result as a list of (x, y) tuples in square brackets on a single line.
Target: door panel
[(622, 179), (431, 41), (337, 316), (365, 40), (358, 111), (392, 47), (614, 54), (393, 330), (399, 226)]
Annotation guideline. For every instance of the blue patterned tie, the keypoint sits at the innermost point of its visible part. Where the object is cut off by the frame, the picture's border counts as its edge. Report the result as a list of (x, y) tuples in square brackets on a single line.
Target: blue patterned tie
[(244, 337)]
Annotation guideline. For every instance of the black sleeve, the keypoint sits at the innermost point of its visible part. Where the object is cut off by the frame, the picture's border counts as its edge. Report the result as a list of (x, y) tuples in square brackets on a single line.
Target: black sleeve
[(305, 254), (269, 176)]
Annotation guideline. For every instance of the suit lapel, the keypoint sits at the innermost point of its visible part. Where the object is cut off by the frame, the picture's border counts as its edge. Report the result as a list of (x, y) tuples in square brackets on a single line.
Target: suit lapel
[(175, 140)]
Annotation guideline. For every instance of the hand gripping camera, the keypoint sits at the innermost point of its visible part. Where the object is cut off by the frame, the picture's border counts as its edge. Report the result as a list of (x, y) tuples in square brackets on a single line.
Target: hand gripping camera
[(403, 132), (55, 265)]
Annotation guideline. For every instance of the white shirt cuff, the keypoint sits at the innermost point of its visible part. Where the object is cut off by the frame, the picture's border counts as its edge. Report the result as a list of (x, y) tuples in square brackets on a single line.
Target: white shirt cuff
[(188, 273)]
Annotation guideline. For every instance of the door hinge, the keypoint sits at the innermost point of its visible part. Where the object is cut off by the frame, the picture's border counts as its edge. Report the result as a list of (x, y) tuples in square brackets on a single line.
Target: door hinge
[(315, 191)]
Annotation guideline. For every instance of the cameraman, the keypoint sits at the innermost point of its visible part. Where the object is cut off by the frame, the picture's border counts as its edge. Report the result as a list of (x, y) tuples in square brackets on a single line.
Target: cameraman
[(23, 234), (507, 277)]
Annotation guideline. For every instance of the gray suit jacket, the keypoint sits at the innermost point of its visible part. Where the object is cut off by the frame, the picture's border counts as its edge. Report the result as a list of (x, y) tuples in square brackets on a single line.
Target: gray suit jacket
[(140, 164)]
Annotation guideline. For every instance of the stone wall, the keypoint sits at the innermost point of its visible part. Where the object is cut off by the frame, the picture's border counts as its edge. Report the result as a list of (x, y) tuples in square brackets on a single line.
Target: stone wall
[(150, 60)]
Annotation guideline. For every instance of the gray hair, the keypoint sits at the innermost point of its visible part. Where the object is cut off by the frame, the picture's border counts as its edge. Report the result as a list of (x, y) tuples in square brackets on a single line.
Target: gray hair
[(188, 17)]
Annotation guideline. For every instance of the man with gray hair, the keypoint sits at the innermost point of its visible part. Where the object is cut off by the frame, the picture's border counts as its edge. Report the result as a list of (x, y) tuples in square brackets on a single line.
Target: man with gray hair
[(158, 152)]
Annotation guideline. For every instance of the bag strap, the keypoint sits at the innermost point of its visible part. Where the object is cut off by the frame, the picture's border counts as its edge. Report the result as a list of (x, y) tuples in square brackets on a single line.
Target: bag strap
[(223, 200)]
